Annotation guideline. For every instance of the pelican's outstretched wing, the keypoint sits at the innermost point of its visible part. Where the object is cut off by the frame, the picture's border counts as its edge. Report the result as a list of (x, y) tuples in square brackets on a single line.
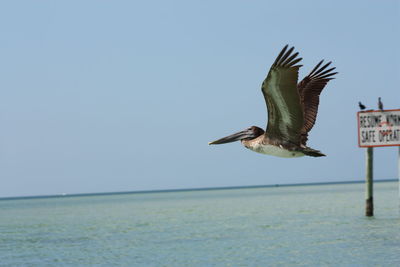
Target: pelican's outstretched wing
[(285, 112), (309, 89)]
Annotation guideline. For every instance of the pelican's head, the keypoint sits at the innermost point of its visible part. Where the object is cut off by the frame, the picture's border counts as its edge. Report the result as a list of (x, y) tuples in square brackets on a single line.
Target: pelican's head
[(248, 134)]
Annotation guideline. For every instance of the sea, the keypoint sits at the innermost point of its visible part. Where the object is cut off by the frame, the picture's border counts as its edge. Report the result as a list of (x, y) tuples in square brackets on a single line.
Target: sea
[(308, 225)]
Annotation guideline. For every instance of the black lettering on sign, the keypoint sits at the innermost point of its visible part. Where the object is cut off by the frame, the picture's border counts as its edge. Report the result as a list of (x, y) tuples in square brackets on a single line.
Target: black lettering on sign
[(383, 135), (362, 122), (389, 135), (393, 136), (368, 136), (393, 119), (369, 121)]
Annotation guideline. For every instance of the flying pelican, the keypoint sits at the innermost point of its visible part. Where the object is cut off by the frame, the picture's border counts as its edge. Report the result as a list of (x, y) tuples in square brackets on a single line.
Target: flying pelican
[(292, 109), (362, 107), (380, 104)]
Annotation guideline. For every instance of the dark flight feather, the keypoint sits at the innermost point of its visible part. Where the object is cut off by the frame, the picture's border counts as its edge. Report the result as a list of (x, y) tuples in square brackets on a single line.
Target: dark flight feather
[(309, 89), (285, 112)]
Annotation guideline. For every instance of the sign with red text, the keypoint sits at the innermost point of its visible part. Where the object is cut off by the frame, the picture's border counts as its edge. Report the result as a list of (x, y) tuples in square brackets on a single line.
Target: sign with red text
[(378, 128)]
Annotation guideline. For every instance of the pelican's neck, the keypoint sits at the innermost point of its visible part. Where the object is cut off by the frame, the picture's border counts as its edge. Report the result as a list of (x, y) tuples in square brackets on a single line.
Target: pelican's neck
[(250, 143)]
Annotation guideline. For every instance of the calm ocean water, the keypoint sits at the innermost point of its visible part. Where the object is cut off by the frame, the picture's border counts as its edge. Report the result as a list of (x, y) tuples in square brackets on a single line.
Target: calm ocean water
[(278, 226)]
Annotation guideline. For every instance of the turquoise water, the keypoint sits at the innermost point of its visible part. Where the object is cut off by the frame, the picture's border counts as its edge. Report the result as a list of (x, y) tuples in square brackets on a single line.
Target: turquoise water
[(278, 226)]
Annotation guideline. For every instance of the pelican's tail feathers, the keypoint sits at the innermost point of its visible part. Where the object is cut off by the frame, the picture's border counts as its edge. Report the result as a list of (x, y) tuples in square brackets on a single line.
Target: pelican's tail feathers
[(312, 152)]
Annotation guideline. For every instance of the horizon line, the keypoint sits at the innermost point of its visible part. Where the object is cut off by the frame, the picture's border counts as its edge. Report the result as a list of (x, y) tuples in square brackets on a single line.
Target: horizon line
[(191, 189)]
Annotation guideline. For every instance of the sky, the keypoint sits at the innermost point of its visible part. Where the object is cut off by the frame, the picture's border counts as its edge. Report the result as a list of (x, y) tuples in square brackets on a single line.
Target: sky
[(104, 96)]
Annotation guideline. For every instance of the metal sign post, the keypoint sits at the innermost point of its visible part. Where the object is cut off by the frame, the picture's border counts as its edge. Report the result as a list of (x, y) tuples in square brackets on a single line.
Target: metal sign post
[(377, 128), (369, 183)]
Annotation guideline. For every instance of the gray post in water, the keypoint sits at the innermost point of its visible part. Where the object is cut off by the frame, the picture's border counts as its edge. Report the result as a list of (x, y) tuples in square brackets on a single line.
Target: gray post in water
[(369, 201)]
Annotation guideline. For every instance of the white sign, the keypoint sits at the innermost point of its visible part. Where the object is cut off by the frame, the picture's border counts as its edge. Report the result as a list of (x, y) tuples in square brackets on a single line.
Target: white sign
[(378, 128)]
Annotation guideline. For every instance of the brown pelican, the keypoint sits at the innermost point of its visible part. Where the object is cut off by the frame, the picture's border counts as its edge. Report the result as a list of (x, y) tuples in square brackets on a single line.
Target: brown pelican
[(292, 109), (362, 107), (380, 104)]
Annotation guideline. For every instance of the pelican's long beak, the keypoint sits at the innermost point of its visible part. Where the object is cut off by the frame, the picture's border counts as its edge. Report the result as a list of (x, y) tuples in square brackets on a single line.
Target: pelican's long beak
[(248, 133)]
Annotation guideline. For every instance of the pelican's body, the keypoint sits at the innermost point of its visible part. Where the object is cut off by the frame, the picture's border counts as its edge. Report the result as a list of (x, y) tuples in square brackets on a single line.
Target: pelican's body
[(274, 149), (292, 109)]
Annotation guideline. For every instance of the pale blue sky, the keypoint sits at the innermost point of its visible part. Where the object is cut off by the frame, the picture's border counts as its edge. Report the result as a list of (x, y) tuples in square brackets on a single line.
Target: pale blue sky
[(101, 96)]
